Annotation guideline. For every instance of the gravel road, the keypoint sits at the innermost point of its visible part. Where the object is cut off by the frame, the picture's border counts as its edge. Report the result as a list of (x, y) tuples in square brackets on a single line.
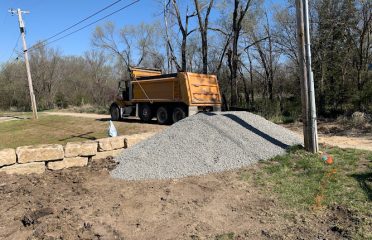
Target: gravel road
[(205, 143)]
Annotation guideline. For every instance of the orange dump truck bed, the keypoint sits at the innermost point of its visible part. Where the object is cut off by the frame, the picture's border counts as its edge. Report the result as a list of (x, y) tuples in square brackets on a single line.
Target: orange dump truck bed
[(191, 89)]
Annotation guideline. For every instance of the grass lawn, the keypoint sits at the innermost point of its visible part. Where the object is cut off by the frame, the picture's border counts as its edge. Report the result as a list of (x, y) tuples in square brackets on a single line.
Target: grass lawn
[(60, 129), (303, 181)]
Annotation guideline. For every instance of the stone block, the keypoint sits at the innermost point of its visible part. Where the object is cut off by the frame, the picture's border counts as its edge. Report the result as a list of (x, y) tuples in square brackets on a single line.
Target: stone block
[(67, 163), (7, 157), (136, 138), (38, 153), (111, 143), (82, 149), (27, 168), (103, 155)]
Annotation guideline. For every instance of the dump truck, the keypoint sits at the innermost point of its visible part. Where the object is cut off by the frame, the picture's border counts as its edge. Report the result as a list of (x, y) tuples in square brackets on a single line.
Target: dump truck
[(168, 97)]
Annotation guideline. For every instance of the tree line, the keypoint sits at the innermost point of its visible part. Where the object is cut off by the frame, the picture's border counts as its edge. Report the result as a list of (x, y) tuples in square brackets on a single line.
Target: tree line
[(250, 46)]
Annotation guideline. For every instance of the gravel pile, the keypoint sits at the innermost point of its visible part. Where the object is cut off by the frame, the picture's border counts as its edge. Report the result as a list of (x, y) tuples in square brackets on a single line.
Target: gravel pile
[(205, 143)]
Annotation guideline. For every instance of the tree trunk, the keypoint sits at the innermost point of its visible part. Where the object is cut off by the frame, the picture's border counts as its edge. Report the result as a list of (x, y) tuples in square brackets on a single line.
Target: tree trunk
[(246, 91), (205, 52), (183, 54), (185, 33), (251, 77), (203, 28), (234, 56), (321, 88)]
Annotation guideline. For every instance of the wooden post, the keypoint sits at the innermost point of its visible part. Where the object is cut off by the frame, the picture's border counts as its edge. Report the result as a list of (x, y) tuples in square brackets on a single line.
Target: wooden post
[(302, 71)]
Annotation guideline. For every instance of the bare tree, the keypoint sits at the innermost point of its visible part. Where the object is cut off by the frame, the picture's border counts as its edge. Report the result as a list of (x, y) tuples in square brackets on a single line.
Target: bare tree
[(239, 12), (203, 28), (171, 56), (267, 58), (99, 74), (173, 8), (105, 38), (285, 33), (44, 64), (142, 39), (364, 43)]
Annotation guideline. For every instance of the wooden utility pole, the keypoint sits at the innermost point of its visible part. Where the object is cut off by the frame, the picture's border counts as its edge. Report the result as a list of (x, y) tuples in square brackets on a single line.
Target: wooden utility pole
[(306, 77), (30, 86)]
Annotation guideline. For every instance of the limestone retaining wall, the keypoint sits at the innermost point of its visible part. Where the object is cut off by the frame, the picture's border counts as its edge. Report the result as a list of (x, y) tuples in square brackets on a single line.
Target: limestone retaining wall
[(38, 158)]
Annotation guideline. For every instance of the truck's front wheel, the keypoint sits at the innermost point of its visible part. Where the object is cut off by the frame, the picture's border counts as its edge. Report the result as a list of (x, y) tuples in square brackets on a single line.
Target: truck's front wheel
[(145, 112), (115, 112)]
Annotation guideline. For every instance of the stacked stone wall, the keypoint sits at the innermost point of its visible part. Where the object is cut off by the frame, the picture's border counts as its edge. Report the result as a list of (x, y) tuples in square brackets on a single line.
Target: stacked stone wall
[(38, 158)]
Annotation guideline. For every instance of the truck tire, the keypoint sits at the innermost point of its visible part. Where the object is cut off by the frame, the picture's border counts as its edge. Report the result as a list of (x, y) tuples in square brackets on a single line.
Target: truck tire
[(115, 112), (178, 114), (145, 112), (163, 115)]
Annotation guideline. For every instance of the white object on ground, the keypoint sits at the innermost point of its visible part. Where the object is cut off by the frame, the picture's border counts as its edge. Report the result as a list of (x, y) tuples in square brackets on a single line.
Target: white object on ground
[(112, 132)]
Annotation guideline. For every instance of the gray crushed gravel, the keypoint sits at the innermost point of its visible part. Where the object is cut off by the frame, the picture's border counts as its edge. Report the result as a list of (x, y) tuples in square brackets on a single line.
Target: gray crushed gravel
[(205, 143)]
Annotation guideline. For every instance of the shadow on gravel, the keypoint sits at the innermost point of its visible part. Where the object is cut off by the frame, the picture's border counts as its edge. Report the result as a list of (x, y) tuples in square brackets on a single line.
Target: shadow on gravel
[(249, 127), (256, 131)]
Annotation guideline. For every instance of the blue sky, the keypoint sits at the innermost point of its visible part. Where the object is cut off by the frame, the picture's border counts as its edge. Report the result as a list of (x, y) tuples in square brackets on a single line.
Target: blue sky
[(48, 17)]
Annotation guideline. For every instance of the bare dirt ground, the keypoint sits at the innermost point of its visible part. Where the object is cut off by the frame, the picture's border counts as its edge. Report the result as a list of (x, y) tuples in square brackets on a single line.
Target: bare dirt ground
[(5, 119), (86, 115), (336, 134), (87, 203), (10, 118)]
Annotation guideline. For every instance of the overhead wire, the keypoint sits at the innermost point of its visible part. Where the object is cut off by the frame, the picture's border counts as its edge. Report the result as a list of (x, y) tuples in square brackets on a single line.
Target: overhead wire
[(85, 26), (81, 21), (14, 48)]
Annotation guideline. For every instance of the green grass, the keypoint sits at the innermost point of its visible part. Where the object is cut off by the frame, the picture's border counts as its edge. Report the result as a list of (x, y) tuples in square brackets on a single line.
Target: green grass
[(226, 236), (49, 129), (299, 178), (87, 108), (280, 119)]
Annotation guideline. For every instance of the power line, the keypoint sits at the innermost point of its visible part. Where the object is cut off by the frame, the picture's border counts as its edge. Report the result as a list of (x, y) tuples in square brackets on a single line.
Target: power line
[(15, 46), (88, 25), (81, 21)]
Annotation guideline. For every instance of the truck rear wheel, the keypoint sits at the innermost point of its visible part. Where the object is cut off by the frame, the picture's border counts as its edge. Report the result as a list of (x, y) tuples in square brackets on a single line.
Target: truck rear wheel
[(145, 112), (115, 112), (163, 116), (178, 114)]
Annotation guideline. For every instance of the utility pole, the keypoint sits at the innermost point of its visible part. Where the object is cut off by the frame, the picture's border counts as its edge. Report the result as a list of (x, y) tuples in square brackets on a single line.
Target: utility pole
[(306, 77), (313, 141), (22, 30)]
